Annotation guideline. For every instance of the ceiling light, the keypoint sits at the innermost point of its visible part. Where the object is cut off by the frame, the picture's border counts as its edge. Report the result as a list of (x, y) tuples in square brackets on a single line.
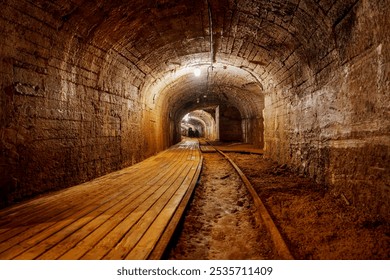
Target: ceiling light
[(197, 72)]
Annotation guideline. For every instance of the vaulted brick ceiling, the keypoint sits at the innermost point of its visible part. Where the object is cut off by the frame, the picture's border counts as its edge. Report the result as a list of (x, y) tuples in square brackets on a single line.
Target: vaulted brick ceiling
[(252, 46)]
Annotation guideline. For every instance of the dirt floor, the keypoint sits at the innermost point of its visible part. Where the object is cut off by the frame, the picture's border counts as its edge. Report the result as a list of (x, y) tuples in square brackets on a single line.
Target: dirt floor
[(220, 222), (314, 223)]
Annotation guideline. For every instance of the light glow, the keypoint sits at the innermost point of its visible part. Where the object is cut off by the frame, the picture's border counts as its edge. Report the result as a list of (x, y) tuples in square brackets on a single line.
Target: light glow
[(197, 72)]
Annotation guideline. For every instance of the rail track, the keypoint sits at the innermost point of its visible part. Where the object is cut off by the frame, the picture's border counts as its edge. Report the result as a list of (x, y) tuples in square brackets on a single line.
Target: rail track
[(310, 222), (262, 215)]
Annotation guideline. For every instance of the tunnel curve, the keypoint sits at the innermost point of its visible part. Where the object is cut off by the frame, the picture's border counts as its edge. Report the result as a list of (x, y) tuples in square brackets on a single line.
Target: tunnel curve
[(79, 76)]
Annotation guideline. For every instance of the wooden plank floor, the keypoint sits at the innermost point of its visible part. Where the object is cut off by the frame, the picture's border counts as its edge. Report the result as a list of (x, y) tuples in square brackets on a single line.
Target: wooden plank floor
[(128, 214)]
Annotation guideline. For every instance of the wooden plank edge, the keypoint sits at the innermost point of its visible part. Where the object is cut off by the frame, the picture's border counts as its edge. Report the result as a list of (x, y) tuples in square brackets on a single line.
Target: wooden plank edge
[(162, 244)]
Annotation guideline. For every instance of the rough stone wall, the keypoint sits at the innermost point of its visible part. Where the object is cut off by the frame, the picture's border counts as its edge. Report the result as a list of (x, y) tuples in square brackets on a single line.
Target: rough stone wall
[(335, 126), (70, 109), (253, 131), (230, 124)]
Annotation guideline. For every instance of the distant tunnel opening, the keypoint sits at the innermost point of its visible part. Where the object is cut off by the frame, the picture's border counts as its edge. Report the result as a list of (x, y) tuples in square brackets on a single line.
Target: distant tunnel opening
[(223, 123), (199, 123)]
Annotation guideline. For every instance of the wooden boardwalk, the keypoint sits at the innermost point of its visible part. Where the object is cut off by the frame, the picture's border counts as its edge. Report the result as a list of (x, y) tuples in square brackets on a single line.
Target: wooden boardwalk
[(128, 214)]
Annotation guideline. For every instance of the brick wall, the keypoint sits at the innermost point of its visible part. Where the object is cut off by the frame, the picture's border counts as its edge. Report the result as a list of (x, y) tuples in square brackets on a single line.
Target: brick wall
[(230, 124), (335, 125), (71, 109)]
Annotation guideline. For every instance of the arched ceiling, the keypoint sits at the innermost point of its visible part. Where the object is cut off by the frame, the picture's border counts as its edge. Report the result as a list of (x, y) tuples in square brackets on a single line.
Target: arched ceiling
[(216, 85), (253, 46)]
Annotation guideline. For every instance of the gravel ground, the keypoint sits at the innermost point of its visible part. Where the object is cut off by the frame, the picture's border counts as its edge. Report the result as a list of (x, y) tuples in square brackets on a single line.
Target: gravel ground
[(221, 221)]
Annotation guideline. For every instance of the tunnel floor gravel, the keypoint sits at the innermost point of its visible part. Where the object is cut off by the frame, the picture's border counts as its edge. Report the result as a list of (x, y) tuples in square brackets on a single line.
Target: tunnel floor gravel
[(221, 220)]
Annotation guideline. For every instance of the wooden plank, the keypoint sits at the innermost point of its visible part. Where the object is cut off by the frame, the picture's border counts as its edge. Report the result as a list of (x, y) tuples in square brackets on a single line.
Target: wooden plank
[(149, 240), (48, 241), (44, 209), (105, 236), (127, 206), (133, 225), (94, 221), (159, 249), (68, 195), (46, 229), (26, 244)]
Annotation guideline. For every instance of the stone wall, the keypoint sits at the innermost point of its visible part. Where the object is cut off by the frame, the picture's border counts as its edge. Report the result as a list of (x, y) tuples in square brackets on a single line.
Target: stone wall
[(71, 109), (253, 131), (335, 126), (230, 124)]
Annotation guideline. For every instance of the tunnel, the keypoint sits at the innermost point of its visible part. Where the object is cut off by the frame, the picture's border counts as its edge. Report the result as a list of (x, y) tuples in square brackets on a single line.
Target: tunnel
[(202, 124), (90, 87)]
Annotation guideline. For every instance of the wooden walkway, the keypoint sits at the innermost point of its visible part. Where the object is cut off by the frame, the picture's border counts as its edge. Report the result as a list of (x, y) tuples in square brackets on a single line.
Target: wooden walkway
[(128, 214)]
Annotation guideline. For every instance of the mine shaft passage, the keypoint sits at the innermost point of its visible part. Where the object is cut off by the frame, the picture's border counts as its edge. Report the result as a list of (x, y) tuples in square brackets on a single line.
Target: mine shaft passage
[(90, 88)]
